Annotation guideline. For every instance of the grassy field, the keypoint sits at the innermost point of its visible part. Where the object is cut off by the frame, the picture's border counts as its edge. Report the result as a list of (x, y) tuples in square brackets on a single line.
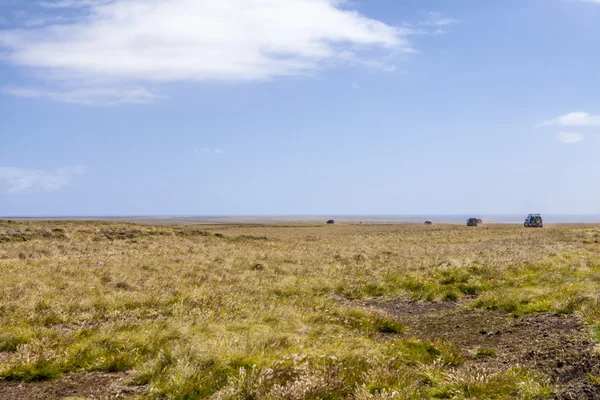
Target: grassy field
[(107, 310)]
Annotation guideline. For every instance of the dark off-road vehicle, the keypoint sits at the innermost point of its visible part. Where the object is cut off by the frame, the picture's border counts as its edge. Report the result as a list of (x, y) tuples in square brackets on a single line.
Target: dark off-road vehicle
[(472, 222)]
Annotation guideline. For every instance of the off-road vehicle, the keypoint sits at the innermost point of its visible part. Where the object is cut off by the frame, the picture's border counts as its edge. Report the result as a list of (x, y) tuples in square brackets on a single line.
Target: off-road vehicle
[(534, 221), (472, 222)]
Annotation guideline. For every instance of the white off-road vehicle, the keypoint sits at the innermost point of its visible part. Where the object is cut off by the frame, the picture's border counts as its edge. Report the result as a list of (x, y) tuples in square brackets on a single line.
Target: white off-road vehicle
[(534, 221)]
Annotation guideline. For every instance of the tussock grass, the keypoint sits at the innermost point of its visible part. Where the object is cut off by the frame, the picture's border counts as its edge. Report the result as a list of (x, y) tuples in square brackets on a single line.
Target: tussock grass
[(265, 312)]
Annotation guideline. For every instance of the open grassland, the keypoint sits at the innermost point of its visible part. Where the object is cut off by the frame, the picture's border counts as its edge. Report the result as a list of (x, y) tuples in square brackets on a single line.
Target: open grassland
[(100, 310)]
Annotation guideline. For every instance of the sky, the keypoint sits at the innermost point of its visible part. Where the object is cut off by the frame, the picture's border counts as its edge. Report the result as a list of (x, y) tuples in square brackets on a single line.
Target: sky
[(299, 107)]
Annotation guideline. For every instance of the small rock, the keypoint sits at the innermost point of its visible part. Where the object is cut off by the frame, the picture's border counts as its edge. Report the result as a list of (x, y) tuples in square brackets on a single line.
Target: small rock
[(258, 267)]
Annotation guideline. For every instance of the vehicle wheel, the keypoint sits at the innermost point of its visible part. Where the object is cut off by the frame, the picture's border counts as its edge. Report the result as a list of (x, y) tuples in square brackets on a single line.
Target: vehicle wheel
[(538, 221)]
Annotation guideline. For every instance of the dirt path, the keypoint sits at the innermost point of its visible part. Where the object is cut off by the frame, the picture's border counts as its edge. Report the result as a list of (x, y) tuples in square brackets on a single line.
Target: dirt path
[(557, 345), (91, 386)]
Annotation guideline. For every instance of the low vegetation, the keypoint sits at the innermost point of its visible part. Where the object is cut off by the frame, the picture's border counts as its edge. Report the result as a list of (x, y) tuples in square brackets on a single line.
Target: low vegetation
[(252, 312)]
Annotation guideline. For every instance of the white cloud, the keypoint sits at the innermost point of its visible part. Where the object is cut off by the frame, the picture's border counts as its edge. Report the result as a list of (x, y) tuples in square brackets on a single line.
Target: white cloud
[(139, 42), (578, 118), (208, 150), (570, 137), (591, 1), (21, 179)]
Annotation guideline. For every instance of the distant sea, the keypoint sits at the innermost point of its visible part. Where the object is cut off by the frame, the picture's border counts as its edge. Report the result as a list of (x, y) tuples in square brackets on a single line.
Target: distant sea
[(366, 219), (519, 218)]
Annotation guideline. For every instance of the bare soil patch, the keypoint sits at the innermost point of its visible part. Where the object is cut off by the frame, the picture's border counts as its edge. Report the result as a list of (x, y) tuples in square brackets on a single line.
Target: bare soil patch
[(92, 386), (554, 344)]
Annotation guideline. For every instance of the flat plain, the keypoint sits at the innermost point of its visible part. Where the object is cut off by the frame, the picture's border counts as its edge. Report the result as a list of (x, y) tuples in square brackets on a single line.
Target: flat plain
[(103, 310)]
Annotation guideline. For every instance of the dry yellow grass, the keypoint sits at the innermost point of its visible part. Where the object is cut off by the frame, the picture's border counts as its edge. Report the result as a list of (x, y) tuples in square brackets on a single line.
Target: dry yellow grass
[(269, 311)]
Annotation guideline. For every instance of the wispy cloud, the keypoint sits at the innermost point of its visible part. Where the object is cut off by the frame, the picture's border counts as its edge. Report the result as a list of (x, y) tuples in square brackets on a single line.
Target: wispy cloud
[(21, 179), (570, 137), (433, 25), (578, 118), (138, 43), (91, 95), (209, 150), (591, 1), (73, 3), (436, 19)]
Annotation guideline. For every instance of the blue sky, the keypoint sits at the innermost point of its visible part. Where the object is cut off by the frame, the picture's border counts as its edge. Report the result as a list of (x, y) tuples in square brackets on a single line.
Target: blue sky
[(299, 107)]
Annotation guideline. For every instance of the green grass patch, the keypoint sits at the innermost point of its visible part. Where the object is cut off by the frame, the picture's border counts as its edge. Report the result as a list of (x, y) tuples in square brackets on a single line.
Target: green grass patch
[(10, 340), (484, 353), (40, 369)]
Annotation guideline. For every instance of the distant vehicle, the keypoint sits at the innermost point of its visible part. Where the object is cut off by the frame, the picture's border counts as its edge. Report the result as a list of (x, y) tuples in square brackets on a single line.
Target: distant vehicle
[(428, 222), (331, 222), (534, 221), (472, 222)]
